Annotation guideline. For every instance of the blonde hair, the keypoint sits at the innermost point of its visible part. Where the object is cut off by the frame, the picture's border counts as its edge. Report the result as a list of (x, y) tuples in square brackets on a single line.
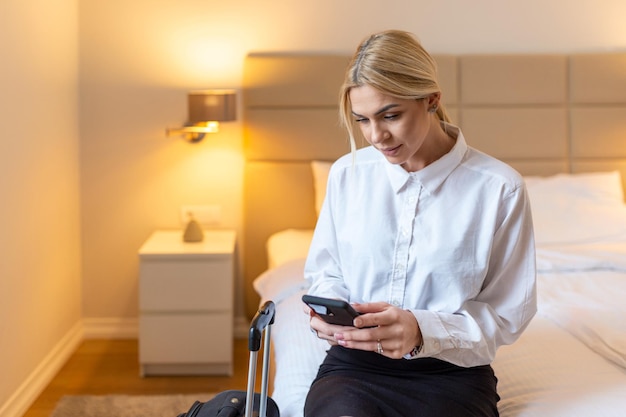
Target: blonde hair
[(395, 63)]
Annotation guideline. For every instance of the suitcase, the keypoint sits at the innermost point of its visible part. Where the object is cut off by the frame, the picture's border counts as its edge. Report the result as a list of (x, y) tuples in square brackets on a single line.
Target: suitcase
[(234, 403)]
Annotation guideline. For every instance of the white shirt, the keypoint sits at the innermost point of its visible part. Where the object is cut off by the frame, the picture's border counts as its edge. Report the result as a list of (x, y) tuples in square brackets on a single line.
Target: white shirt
[(452, 242)]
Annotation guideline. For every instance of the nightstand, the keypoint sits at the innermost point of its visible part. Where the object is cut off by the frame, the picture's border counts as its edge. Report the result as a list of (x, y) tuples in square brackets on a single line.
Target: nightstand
[(186, 297)]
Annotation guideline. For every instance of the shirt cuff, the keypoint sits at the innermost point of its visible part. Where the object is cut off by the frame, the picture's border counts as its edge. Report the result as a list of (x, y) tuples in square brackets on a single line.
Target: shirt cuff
[(434, 334)]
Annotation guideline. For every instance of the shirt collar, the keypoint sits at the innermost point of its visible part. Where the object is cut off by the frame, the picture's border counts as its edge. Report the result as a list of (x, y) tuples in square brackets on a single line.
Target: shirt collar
[(433, 175)]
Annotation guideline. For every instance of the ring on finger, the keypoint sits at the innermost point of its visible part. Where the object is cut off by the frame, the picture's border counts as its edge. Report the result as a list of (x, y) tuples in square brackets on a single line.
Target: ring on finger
[(379, 347)]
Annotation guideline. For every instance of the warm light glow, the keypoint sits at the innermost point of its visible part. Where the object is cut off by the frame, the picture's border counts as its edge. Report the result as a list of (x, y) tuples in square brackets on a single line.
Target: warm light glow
[(200, 57), (195, 132), (203, 127), (212, 127)]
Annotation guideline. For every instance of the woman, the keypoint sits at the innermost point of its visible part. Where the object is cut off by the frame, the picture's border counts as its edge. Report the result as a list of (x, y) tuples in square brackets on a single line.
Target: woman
[(430, 239)]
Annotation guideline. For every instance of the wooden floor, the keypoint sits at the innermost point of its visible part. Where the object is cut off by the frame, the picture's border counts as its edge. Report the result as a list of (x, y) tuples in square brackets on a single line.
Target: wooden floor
[(111, 367)]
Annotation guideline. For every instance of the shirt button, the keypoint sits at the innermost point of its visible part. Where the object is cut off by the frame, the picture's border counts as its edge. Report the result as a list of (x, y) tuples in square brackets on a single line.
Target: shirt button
[(395, 303)]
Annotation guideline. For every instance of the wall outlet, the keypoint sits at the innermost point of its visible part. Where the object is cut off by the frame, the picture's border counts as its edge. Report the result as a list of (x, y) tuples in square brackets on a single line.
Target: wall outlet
[(205, 215)]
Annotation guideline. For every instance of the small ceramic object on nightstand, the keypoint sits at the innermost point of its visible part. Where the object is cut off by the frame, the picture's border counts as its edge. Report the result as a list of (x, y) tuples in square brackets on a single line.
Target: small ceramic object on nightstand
[(193, 231)]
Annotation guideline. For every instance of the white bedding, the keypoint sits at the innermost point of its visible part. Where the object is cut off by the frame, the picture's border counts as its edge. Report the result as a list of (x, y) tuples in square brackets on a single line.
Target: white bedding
[(297, 352), (571, 360), (548, 373)]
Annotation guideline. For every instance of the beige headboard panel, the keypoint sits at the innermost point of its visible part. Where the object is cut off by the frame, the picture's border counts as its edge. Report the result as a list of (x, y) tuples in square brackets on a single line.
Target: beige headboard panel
[(543, 114)]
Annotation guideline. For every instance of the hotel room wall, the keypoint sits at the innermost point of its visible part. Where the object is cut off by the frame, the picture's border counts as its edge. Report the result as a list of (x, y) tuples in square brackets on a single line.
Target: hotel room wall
[(39, 184), (138, 60)]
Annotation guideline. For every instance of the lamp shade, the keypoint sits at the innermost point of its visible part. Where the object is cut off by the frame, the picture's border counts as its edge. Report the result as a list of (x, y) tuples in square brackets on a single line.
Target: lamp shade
[(212, 105)]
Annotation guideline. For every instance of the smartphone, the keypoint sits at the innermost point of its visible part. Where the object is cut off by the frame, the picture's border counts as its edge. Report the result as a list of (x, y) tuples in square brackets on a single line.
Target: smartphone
[(332, 311)]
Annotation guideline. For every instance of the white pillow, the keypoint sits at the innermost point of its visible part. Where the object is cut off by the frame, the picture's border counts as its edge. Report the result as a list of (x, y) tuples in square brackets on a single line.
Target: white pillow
[(287, 245), (320, 179), (575, 208), (279, 283), (598, 187)]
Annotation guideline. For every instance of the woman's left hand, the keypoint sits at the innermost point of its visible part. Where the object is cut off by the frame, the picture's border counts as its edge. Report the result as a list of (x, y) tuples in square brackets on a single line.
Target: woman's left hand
[(382, 328)]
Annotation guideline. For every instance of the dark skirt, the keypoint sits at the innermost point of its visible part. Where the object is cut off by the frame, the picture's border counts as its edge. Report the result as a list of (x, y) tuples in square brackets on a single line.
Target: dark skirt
[(365, 384)]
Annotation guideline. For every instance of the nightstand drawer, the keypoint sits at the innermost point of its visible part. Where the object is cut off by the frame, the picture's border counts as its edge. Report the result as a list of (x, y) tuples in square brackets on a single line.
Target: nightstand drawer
[(186, 285), (186, 338)]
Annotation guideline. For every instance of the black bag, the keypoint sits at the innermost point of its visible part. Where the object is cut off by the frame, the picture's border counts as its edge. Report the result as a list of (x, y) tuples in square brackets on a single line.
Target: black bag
[(230, 403), (233, 403)]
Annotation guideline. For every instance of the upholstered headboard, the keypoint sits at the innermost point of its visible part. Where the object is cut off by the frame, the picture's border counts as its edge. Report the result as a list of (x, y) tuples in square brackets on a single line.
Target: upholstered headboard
[(543, 114)]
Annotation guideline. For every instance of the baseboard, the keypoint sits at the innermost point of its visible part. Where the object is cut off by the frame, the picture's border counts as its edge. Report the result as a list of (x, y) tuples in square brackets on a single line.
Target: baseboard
[(111, 328), (39, 379), (121, 328)]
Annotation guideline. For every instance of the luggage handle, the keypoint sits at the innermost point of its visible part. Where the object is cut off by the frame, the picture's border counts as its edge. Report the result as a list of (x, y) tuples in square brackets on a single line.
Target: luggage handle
[(263, 317), (263, 320)]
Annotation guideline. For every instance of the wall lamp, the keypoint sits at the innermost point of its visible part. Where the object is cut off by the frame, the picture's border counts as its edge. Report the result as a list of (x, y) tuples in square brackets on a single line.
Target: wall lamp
[(206, 108)]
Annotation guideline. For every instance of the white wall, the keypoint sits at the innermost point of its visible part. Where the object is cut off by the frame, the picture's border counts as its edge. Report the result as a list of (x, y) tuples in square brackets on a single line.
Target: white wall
[(39, 214), (137, 61)]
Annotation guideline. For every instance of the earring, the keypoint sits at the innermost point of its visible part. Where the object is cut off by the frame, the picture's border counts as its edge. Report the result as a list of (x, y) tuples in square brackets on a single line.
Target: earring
[(432, 109)]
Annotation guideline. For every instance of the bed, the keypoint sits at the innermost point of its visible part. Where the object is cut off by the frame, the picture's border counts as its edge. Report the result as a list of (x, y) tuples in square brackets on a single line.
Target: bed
[(558, 119)]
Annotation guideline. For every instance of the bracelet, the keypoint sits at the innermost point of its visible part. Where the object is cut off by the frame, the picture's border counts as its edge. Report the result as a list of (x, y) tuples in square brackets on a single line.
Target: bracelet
[(415, 351)]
